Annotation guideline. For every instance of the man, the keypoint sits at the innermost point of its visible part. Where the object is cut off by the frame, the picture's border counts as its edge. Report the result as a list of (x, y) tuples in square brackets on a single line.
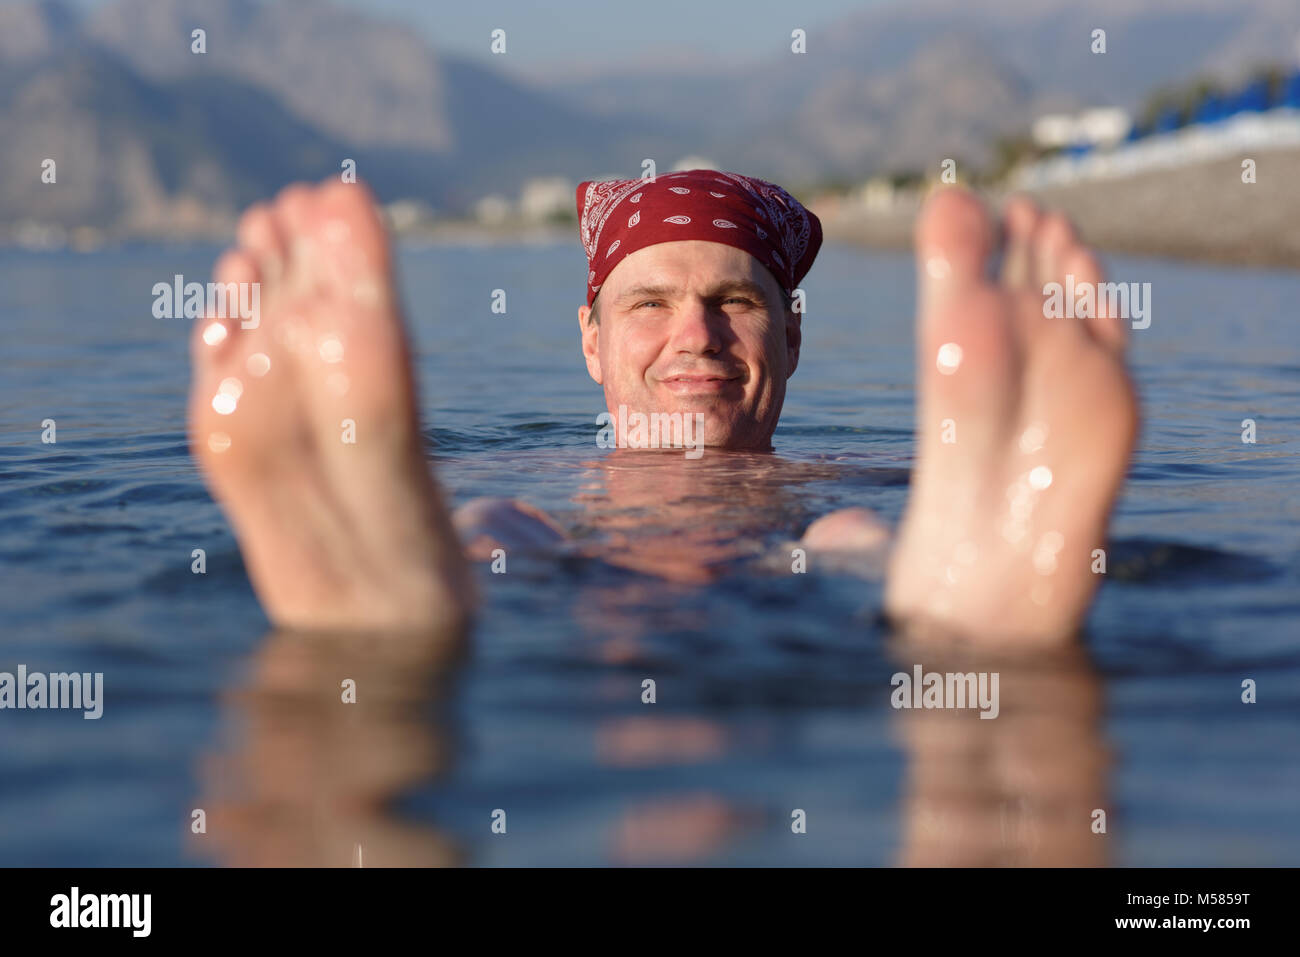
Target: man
[(1025, 424)]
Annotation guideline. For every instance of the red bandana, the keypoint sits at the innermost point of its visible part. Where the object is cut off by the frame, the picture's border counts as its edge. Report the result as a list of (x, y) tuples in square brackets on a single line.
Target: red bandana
[(620, 216)]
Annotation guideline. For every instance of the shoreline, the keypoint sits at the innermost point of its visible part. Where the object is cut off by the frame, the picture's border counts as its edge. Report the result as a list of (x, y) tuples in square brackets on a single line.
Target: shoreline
[(1196, 213), (1200, 212)]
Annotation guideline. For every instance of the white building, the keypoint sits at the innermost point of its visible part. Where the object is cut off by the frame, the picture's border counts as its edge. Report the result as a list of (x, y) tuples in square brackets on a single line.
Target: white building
[(544, 197)]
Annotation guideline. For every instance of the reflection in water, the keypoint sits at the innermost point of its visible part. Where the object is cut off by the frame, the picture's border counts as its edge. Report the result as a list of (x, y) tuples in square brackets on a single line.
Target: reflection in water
[(1020, 789), (684, 520), (307, 779), (675, 830)]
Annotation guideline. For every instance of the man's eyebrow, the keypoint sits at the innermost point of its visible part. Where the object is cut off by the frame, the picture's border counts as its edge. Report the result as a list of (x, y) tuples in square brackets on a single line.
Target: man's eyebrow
[(726, 287), (747, 286), (646, 291)]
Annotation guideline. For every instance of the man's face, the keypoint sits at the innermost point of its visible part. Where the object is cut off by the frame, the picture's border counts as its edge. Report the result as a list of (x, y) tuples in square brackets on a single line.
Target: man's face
[(695, 326)]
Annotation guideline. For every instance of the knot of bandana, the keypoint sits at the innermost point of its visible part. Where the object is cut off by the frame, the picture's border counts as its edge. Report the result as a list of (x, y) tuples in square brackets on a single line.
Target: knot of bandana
[(618, 217)]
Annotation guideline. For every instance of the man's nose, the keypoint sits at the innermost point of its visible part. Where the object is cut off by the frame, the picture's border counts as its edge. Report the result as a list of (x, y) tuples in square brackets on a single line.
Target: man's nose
[(697, 328)]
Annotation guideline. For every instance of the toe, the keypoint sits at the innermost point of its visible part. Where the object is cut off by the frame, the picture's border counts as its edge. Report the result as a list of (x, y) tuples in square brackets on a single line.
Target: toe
[(259, 234), (293, 206), (1021, 218), (1108, 330), (353, 205), (954, 236), (1052, 241), (294, 212), (352, 243), (214, 334)]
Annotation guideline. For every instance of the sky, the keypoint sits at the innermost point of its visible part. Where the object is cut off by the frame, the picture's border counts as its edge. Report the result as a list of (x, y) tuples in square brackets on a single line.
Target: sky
[(542, 35)]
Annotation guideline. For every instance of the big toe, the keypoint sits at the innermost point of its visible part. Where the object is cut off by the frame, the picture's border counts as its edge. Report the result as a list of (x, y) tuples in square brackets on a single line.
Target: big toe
[(954, 237), (352, 245)]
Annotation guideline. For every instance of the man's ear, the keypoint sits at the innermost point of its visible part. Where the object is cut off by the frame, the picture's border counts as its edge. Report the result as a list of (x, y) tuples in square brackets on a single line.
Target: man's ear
[(793, 339), (590, 343)]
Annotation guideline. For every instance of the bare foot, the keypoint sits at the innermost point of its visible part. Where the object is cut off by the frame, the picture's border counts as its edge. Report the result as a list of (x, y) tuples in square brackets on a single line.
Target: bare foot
[(1024, 429), (306, 427)]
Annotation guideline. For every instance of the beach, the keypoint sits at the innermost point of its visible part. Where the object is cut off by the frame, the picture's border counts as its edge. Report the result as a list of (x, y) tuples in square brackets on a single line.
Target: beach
[(1200, 212)]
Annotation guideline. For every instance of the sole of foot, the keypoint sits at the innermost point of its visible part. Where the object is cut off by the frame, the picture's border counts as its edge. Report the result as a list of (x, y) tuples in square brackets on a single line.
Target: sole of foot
[(303, 419), (1025, 425)]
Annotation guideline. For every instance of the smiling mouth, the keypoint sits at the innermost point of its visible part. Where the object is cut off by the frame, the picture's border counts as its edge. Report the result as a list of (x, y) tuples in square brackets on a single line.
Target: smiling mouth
[(685, 384)]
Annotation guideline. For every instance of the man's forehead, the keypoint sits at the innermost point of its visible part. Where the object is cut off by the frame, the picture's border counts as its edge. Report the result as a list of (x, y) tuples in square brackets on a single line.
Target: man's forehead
[(682, 265)]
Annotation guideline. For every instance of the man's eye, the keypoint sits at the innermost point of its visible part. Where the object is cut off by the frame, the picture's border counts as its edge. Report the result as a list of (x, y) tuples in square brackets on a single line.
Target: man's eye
[(740, 299), (646, 303)]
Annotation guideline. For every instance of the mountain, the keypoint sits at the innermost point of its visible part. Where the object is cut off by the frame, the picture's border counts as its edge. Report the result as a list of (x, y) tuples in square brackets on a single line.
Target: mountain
[(908, 83), (153, 138), (354, 78), (29, 31)]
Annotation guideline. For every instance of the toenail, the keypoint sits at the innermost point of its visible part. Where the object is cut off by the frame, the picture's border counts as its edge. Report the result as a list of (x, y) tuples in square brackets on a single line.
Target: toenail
[(258, 364), (1033, 438), (232, 387), (223, 404), (938, 267), (218, 441), (949, 357), (1040, 477), (214, 333), (330, 349)]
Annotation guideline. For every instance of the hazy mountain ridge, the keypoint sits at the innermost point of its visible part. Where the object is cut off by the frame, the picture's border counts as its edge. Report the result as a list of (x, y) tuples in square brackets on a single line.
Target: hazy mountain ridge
[(151, 138)]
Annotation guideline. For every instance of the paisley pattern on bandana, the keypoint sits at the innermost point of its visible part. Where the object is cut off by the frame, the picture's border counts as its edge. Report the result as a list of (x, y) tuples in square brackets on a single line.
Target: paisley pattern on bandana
[(750, 214)]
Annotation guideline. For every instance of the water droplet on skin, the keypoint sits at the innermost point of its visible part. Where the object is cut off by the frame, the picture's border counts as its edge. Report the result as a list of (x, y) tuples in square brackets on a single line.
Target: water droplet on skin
[(338, 383), (223, 404), (214, 334), (1033, 438), (938, 267), (1022, 499), (258, 364), (1040, 477), (966, 553), (949, 358), (950, 573), (1045, 554), (330, 349), (218, 441), (231, 387)]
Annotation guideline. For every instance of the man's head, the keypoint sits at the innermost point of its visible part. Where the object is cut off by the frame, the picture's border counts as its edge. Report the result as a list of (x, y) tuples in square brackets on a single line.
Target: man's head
[(695, 326), (695, 312)]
